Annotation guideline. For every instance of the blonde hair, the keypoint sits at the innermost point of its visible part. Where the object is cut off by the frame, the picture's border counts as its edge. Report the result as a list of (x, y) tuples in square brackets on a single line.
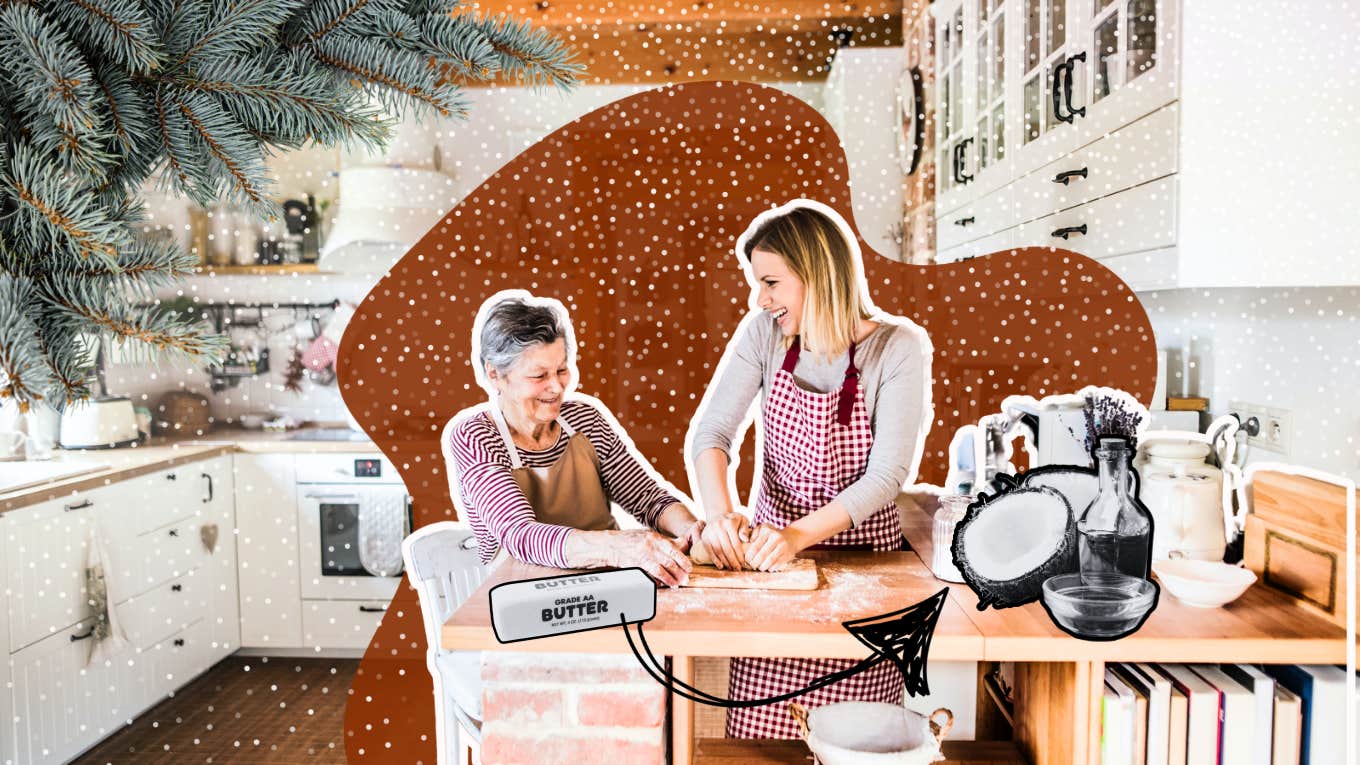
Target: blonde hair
[(819, 254)]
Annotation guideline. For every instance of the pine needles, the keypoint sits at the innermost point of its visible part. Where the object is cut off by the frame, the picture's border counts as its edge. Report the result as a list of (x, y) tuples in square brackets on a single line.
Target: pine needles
[(99, 97)]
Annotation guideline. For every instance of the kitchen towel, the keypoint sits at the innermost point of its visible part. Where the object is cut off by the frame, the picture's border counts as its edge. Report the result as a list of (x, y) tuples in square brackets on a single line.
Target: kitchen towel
[(107, 638), (382, 526)]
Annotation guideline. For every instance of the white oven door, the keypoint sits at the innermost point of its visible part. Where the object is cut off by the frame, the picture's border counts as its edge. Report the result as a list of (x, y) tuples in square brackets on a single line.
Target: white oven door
[(329, 529)]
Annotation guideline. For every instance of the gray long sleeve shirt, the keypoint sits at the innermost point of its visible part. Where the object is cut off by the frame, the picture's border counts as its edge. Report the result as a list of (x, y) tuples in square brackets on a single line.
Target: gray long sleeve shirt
[(894, 365)]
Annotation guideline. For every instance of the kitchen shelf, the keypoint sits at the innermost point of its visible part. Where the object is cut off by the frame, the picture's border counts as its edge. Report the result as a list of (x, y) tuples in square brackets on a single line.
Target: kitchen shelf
[(261, 270), (728, 751)]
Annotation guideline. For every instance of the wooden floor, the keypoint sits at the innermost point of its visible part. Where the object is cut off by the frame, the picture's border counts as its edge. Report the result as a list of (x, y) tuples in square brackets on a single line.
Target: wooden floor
[(244, 711)]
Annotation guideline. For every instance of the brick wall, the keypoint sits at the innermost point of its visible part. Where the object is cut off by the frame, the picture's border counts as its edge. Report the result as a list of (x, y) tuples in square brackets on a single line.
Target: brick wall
[(549, 708)]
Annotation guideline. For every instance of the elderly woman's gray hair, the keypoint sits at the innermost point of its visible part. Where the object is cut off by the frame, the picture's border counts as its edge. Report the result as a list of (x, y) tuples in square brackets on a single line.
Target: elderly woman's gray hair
[(514, 324)]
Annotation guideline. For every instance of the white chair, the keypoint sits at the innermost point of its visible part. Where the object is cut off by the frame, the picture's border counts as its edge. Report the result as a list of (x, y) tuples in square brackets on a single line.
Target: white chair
[(445, 569)]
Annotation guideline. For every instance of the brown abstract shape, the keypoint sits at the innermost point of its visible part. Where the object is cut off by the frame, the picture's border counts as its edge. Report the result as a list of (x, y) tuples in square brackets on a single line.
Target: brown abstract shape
[(630, 216)]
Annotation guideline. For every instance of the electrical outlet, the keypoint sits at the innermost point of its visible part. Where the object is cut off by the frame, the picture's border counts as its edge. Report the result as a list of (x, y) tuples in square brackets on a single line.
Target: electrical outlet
[(1240, 409), (1276, 428)]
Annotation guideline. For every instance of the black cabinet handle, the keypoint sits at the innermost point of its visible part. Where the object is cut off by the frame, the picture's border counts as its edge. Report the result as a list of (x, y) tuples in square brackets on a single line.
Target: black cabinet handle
[(965, 221), (179, 641), (174, 532), (170, 477), (1066, 176), (210, 488), (81, 505), (176, 587), (1056, 91), (373, 609), (963, 160), (957, 168), (1067, 231), (1067, 86), (74, 638)]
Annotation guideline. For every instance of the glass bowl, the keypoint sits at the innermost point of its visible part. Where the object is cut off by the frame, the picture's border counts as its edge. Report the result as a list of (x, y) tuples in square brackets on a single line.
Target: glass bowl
[(1104, 605)]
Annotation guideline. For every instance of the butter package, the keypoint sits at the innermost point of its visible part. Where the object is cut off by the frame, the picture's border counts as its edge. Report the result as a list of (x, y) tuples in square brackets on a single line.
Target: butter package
[(558, 605)]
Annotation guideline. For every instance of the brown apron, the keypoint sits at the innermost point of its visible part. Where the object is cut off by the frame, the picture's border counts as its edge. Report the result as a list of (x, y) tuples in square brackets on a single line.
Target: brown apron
[(567, 493)]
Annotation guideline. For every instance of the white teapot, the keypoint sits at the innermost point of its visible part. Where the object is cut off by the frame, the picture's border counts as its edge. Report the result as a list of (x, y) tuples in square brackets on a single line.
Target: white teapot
[(1189, 499)]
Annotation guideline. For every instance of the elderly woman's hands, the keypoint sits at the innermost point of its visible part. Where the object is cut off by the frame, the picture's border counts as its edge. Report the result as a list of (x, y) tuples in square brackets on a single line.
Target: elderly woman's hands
[(726, 538), (662, 558)]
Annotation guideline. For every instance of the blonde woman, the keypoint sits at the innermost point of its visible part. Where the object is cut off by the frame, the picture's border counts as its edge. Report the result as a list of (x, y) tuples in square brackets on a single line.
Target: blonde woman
[(844, 410)]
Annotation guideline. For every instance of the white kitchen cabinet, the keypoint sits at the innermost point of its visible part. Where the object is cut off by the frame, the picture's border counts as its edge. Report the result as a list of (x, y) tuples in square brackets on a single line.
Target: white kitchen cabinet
[(267, 549), (7, 755), (217, 484), (1155, 136), (341, 623), (62, 706), (45, 552)]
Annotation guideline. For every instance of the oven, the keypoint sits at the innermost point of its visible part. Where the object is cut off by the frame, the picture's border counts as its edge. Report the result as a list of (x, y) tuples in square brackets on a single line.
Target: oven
[(353, 513)]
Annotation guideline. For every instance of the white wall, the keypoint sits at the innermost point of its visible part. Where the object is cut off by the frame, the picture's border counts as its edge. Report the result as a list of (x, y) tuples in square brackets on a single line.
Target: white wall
[(1292, 348)]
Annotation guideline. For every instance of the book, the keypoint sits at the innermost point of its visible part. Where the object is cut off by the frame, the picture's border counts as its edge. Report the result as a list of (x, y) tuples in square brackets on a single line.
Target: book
[(1263, 688), (1237, 716), (1287, 743), (1117, 745), (1322, 690), (1178, 738), (1203, 730), (1142, 692), (1158, 716)]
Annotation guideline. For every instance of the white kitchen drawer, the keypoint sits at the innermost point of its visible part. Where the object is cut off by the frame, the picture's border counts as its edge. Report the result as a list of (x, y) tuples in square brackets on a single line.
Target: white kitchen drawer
[(1141, 218), (45, 550), (340, 623), (1002, 240), (156, 500), (977, 219), (138, 564), (166, 609), (1131, 156), (61, 706), (176, 660)]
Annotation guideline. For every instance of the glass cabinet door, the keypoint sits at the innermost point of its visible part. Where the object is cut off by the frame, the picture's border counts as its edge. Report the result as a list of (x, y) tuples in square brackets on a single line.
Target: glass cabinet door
[(951, 121), (1046, 44), (990, 98)]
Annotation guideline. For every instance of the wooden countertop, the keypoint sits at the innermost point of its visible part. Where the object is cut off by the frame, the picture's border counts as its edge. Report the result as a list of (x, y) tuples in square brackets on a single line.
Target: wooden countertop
[(713, 622), (160, 453), (1263, 625)]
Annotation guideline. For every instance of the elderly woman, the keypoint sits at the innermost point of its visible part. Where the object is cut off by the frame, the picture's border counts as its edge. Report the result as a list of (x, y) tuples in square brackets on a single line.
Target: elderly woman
[(536, 468)]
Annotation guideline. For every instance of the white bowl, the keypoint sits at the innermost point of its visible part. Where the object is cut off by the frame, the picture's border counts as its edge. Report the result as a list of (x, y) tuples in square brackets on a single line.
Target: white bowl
[(1202, 583), (872, 733)]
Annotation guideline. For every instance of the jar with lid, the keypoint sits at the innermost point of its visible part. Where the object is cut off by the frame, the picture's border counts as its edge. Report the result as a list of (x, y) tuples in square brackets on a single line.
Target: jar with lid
[(952, 510)]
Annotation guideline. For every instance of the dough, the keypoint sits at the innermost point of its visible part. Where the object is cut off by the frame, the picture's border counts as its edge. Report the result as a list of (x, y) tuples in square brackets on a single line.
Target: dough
[(700, 556)]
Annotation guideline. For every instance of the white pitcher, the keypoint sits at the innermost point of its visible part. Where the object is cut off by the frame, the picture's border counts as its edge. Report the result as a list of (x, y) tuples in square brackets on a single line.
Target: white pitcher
[(1189, 499)]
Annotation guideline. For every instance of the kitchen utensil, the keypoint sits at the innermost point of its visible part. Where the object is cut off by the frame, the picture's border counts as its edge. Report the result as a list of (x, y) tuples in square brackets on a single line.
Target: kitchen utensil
[(1099, 606), (1202, 583), (101, 423), (951, 511), (1114, 532), (798, 574), (182, 413), (872, 733), (1188, 498)]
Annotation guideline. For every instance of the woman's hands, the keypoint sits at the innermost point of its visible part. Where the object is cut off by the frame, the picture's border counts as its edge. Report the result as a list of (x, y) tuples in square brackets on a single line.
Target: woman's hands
[(661, 557), (726, 538), (771, 548)]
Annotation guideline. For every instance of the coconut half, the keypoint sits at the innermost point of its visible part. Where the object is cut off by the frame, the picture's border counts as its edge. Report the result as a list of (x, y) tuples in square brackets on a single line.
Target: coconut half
[(1008, 544), (1077, 484)]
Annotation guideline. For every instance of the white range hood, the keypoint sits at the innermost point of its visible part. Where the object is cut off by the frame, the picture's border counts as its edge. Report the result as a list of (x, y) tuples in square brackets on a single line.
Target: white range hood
[(383, 211)]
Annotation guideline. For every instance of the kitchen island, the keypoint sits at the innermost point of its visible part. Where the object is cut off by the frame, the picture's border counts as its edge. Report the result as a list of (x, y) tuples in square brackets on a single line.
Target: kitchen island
[(1058, 677)]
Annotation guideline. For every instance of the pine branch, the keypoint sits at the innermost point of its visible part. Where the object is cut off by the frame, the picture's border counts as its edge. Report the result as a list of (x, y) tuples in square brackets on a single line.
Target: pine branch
[(176, 20), (236, 156), (238, 27), (461, 46), (156, 332), (288, 99), (119, 28), (325, 16), (139, 271), (402, 75), (22, 374), (68, 360), (52, 209), (189, 173), (530, 56)]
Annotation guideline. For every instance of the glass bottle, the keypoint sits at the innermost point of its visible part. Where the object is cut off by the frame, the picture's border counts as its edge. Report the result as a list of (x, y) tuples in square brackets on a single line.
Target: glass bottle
[(952, 510), (1114, 534)]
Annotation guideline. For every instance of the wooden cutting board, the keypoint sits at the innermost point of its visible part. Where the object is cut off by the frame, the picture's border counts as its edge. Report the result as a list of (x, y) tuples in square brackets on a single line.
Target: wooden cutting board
[(800, 574)]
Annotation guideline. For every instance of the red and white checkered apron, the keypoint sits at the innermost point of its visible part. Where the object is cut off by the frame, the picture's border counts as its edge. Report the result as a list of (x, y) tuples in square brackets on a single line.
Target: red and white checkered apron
[(816, 444)]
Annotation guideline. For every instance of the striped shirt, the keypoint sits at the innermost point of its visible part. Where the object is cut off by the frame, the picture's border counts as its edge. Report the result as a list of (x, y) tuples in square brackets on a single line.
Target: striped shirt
[(498, 511)]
